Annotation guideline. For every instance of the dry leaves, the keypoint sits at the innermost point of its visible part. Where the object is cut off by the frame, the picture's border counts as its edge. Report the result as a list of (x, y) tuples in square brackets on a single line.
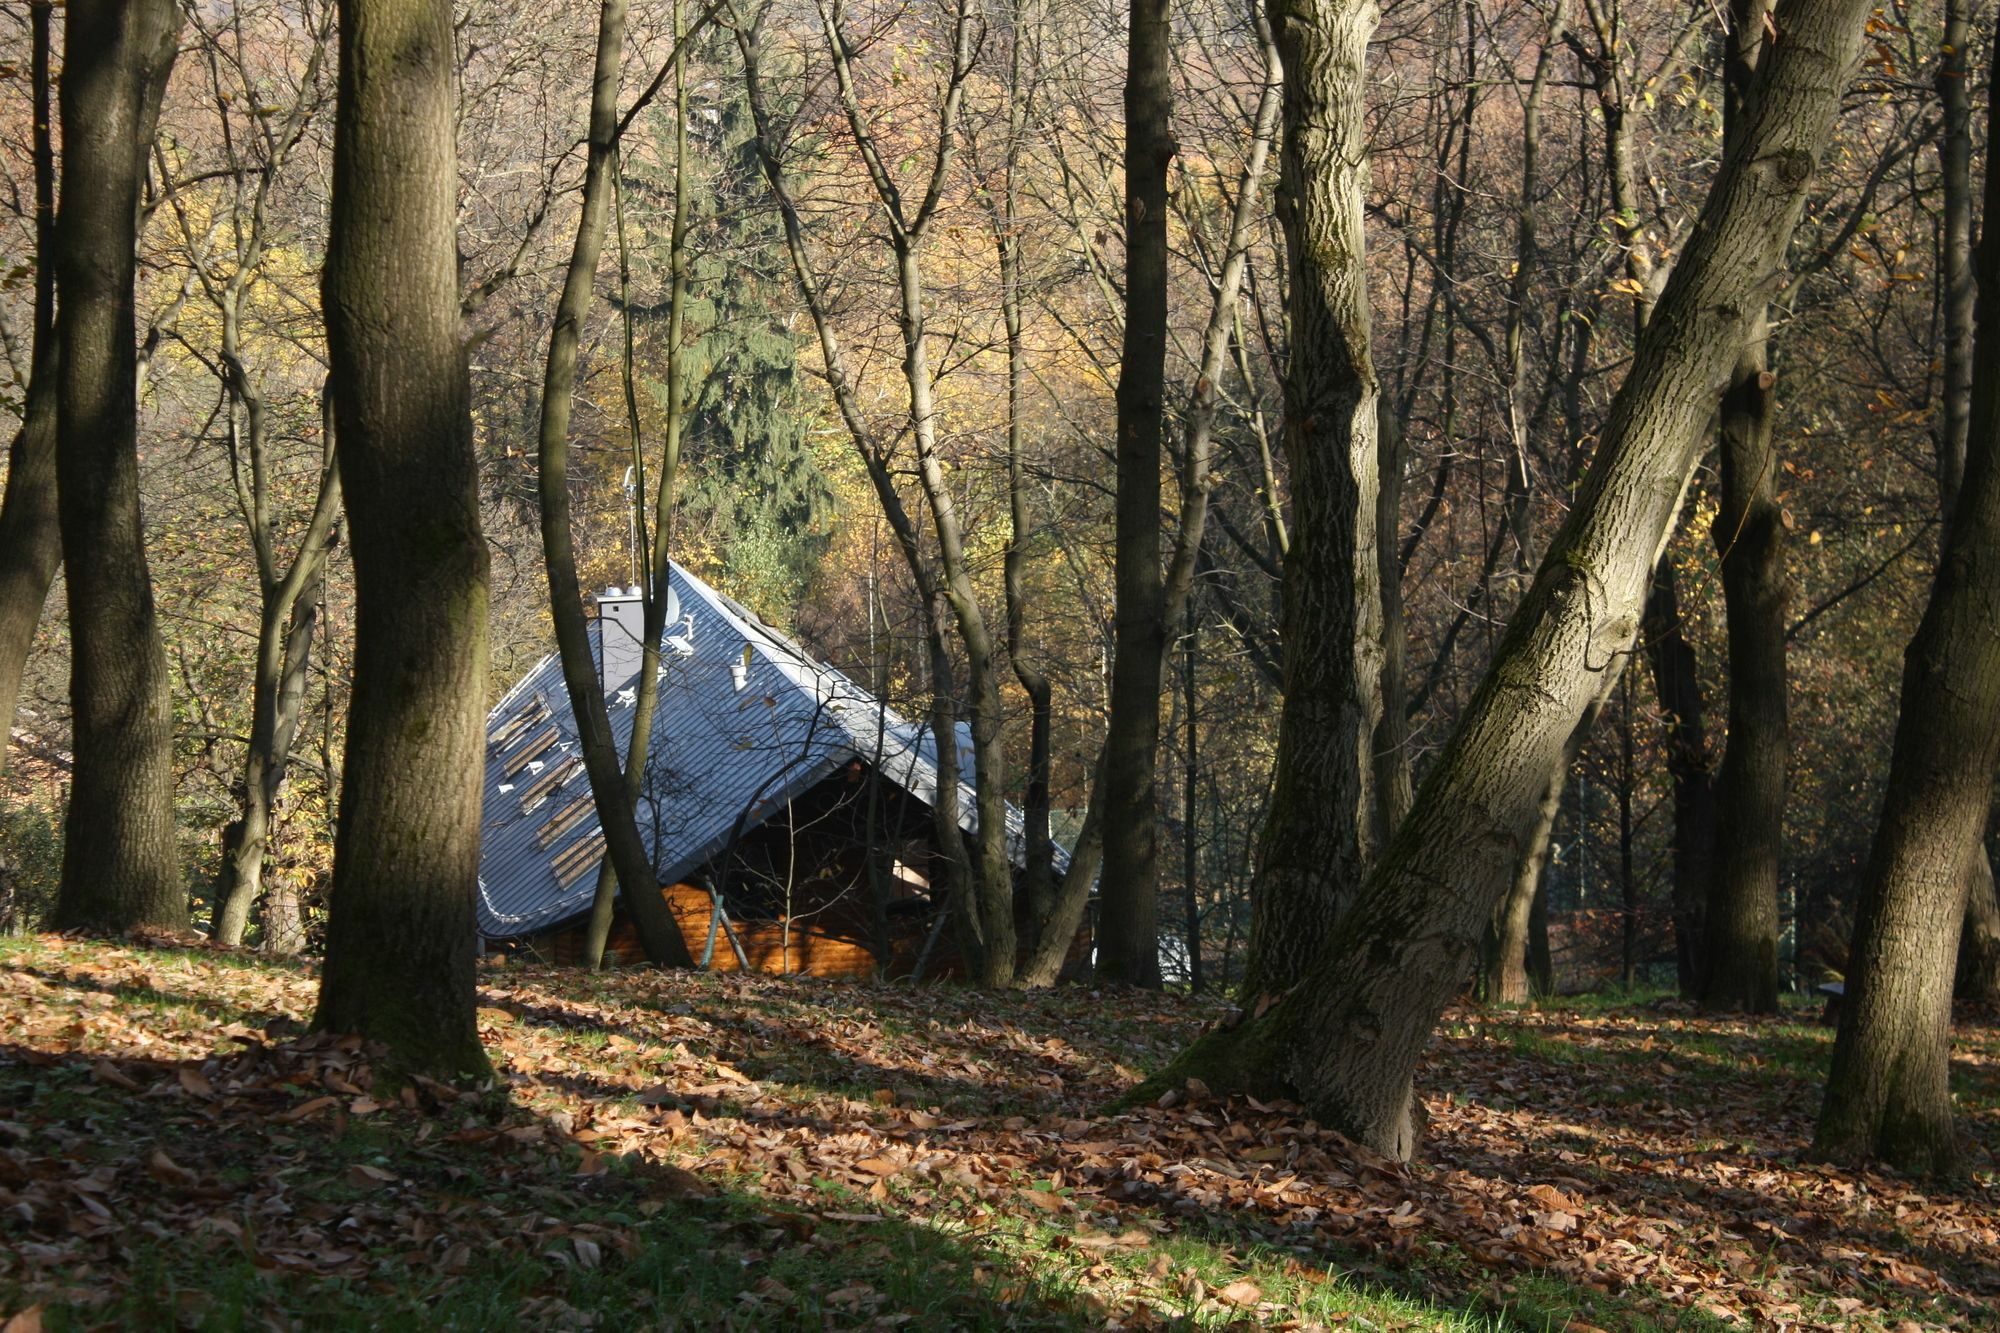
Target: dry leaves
[(1603, 1151)]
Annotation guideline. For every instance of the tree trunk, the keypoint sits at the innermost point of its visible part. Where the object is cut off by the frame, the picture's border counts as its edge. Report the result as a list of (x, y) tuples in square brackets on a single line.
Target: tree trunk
[(1347, 1041), (1318, 834), (30, 537), (1128, 944), (119, 862), (659, 934), (1391, 774), (1979, 949), (1677, 686), (1190, 824), (400, 928), (1978, 975), (284, 647), (1507, 964), (1038, 877), (1740, 926), (1888, 1095), (659, 569), (1044, 963)]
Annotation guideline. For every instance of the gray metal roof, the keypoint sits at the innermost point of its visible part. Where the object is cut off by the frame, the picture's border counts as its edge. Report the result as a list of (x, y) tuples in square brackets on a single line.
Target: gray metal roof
[(716, 752)]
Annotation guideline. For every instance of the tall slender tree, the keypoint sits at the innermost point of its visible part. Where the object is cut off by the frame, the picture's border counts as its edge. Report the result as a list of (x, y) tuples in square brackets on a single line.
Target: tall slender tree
[(1347, 1039), (1888, 1095), (1978, 976), (119, 865), (1128, 943), (625, 849), (30, 538), (400, 930)]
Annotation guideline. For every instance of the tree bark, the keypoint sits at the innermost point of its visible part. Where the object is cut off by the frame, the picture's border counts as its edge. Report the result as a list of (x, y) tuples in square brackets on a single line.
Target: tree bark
[(1888, 1095), (400, 927), (1978, 974), (982, 888), (1038, 879), (1739, 964), (1507, 967), (30, 535), (1394, 785), (659, 572), (120, 869), (1319, 832), (1128, 941), (289, 594), (659, 934), (1677, 686), (1347, 1041), (1979, 948), (1043, 963)]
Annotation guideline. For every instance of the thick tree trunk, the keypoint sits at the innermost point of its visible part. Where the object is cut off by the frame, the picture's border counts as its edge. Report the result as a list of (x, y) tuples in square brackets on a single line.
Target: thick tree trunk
[(1319, 832), (1677, 686), (30, 536), (1739, 963), (119, 862), (1347, 1041), (1128, 944), (400, 928), (1888, 1095), (659, 934)]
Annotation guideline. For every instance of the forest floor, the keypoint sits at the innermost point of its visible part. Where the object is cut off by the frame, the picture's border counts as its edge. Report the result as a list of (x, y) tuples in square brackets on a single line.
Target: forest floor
[(709, 1152)]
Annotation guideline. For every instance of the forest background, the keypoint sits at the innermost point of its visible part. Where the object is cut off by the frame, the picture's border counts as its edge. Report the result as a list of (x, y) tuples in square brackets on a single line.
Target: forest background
[(1504, 285)]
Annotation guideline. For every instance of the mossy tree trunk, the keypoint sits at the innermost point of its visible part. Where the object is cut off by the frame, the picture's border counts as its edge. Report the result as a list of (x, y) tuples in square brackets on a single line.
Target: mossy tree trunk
[(1347, 1040), (400, 926), (120, 869)]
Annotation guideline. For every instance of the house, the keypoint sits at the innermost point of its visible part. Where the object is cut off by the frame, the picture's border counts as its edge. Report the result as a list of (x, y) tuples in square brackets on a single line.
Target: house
[(787, 810)]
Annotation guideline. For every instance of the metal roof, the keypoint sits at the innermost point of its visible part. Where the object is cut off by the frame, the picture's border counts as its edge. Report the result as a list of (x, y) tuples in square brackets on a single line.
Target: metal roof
[(718, 755)]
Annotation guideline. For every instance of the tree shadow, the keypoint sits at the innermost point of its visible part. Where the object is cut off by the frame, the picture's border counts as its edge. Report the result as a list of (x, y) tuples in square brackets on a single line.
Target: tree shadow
[(217, 1212)]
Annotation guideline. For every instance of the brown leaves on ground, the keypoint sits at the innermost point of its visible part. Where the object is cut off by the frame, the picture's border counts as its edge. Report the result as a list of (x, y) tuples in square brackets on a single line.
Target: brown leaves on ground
[(1648, 1155)]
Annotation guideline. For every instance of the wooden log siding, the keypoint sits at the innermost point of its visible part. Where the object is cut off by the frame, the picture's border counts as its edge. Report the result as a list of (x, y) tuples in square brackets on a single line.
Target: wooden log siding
[(566, 819), (530, 752), (580, 856), (552, 777)]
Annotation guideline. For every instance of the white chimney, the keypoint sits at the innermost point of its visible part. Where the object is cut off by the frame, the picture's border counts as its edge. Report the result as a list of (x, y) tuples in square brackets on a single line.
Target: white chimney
[(621, 617)]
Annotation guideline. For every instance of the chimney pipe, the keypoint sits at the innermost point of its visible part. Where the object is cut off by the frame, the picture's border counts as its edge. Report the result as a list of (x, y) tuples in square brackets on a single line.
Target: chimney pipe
[(621, 617)]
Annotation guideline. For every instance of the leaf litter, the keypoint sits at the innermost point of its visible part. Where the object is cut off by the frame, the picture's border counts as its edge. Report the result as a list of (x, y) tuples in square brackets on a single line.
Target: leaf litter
[(1646, 1162)]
